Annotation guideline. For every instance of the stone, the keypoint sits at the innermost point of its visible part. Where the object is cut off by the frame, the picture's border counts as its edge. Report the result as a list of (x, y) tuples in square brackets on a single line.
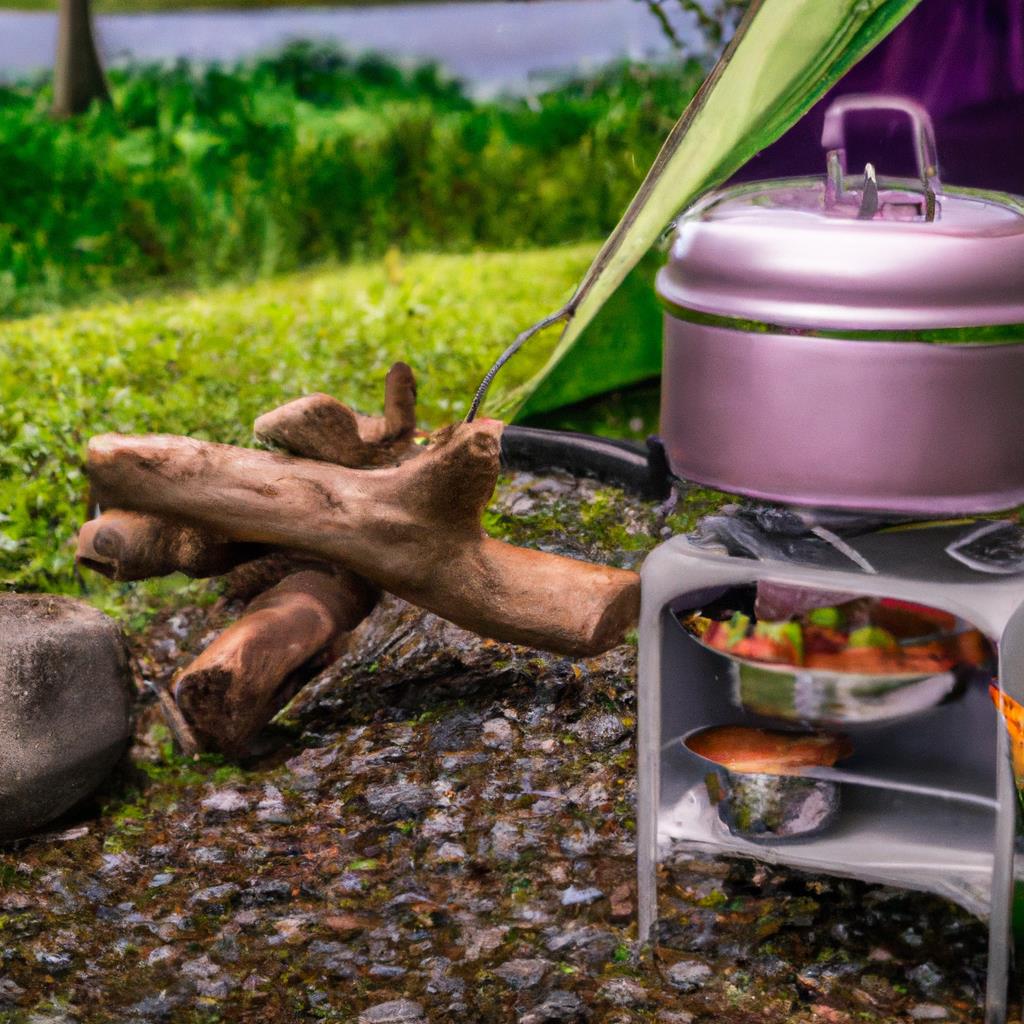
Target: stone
[(624, 992), (559, 1006), (394, 800), (215, 894), (593, 945), (508, 841), (574, 897), (928, 1011), (346, 926), (271, 808), (398, 1011), (927, 977), (520, 974), (688, 975), (674, 1017), (225, 802), (450, 853), (10, 992), (600, 729), (65, 706), (498, 733)]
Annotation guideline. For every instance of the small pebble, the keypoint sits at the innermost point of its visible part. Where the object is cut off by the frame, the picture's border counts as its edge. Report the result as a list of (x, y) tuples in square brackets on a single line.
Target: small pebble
[(928, 1011), (398, 1011), (498, 733), (688, 975), (573, 897)]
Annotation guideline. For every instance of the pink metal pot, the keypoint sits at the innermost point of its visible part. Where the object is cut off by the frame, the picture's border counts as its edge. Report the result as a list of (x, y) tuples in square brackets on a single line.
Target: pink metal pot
[(858, 348)]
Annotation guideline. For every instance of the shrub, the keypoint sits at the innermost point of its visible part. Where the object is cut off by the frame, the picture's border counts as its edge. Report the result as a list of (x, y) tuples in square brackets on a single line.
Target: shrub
[(197, 175)]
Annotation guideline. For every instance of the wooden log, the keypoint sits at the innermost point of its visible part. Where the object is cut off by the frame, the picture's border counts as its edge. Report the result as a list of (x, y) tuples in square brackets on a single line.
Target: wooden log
[(128, 546), (320, 427), (412, 529), (256, 665)]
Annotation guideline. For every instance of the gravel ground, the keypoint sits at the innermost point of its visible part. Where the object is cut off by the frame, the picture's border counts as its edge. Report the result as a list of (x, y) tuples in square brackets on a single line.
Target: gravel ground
[(441, 828)]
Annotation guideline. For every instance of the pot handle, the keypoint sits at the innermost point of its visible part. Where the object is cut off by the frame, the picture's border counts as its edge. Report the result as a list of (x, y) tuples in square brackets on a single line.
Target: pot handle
[(833, 139)]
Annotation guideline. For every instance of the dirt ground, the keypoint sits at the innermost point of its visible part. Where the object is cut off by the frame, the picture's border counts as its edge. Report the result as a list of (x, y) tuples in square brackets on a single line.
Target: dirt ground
[(441, 828)]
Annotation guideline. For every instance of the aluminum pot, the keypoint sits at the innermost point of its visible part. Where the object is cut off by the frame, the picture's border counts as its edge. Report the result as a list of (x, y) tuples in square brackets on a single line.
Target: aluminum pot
[(849, 347)]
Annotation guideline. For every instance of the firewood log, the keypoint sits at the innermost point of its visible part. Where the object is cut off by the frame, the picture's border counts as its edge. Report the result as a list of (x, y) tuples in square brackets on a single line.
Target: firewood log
[(129, 546), (412, 529), (320, 427), (256, 665)]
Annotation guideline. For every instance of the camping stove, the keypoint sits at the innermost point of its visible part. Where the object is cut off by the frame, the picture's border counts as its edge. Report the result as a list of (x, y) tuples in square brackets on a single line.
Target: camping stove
[(928, 802)]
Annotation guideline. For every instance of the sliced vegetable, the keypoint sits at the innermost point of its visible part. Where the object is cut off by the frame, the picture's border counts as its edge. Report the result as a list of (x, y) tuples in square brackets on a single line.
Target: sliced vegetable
[(872, 636), (829, 618)]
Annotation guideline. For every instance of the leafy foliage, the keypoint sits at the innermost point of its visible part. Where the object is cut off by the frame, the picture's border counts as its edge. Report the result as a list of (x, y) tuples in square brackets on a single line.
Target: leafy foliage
[(199, 175)]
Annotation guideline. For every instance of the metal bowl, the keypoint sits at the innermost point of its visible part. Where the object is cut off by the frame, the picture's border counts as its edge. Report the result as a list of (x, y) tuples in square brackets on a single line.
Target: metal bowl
[(836, 698), (764, 808)]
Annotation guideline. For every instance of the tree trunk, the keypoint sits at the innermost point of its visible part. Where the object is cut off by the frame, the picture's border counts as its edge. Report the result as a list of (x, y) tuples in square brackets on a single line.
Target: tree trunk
[(77, 75)]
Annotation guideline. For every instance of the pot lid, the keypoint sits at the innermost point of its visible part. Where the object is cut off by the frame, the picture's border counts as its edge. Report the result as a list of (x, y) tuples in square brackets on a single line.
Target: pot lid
[(867, 254)]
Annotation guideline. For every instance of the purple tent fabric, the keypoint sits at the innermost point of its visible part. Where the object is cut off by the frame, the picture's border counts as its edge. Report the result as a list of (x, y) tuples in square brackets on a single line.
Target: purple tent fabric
[(964, 61)]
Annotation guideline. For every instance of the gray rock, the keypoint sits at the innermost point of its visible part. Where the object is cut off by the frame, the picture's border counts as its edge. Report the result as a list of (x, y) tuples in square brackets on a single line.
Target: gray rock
[(507, 841), (593, 945), (579, 842), (271, 808), (221, 894), (10, 992), (688, 975), (928, 1011), (927, 977), (450, 853), (65, 701), (498, 733), (398, 1011), (520, 974), (268, 890), (225, 801), (574, 897), (559, 1006), (600, 729), (624, 992), (395, 800)]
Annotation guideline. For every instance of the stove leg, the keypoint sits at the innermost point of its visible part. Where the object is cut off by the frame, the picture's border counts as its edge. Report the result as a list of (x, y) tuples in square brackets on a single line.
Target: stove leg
[(1000, 946), (648, 755), (1000, 925)]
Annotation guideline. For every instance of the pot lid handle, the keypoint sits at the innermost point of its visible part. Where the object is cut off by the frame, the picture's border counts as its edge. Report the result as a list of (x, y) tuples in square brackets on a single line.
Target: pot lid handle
[(833, 139)]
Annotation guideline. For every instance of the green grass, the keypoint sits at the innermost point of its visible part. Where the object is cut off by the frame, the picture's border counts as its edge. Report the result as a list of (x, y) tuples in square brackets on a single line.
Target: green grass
[(207, 364), (195, 176)]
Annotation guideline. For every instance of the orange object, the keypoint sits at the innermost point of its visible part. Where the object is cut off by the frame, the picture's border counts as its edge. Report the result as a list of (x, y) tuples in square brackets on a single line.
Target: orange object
[(1013, 715), (767, 751)]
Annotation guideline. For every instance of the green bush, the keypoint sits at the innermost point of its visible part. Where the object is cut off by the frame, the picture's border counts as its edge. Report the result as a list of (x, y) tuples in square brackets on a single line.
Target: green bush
[(200, 175)]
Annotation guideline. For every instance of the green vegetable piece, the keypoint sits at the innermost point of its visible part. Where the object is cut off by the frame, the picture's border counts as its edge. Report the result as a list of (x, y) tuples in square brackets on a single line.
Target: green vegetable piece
[(829, 618), (736, 628), (872, 636), (782, 632)]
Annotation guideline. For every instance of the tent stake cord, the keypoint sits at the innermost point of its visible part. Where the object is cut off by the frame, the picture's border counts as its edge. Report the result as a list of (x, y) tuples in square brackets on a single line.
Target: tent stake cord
[(521, 339)]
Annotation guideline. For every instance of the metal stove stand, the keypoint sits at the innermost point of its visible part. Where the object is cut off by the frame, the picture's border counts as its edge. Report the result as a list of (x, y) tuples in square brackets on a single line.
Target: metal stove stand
[(938, 809)]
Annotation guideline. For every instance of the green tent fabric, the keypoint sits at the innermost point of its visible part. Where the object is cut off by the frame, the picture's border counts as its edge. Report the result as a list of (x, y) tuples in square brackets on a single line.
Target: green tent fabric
[(620, 348), (784, 56)]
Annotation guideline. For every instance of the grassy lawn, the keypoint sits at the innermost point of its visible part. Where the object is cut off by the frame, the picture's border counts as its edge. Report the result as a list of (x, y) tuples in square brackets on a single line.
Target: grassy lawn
[(207, 364)]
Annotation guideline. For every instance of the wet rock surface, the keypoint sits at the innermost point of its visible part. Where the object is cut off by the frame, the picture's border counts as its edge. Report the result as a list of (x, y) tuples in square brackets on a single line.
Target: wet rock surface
[(441, 828), (65, 700)]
